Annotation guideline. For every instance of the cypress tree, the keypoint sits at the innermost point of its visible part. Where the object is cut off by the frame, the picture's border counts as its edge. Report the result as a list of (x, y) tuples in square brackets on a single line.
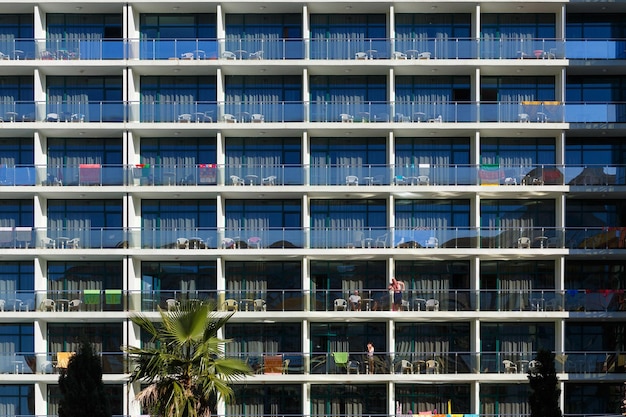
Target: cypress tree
[(81, 386), (544, 398)]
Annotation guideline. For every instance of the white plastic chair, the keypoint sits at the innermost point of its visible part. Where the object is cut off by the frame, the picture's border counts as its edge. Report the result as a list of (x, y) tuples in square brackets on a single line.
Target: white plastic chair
[(228, 243), (341, 305), (406, 367), (509, 366), (184, 118), (399, 55), (271, 180), (260, 305), (346, 118), (48, 305), (172, 304), (236, 180), (254, 242), (74, 305), (523, 242), (432, 242), (182, 243), (257, 118), (352, 180), (256, 55), (73, 243), (48, 243), (360, 55), (229, 118), (229, 55), (432, 305)]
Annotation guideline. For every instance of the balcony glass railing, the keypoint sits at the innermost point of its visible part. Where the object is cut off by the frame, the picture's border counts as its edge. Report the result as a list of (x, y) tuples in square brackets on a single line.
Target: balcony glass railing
[(255, 48), (356, 363), (415, 301), (196, 112), (422, 363), (316, 175), (46, 363), (423, 238)]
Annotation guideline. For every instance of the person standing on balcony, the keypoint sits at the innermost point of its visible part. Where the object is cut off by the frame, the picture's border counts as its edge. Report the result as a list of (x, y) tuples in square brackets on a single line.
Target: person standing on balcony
[(370, 358), (396, 287)]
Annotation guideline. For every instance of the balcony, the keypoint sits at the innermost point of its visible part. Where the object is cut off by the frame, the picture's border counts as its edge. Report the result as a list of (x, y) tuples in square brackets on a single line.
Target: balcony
[(29, 363), (320, 49), (375, 301), (364, 175), (408, 364), (529, 241), (349, 114)]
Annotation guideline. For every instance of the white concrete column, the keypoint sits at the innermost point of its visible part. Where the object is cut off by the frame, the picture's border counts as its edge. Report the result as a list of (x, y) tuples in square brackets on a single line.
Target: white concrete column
[(39, 32), (306, 220), (39, 90), (306, 104), (220, 29), (306, 32), (221, 94)]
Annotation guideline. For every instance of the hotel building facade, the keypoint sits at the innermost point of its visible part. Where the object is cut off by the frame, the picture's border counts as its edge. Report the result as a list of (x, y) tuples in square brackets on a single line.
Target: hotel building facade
[(277, 156)]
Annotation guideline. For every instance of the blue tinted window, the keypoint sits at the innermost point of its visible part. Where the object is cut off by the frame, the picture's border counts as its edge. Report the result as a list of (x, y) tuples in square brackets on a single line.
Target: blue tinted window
[(178, 276), (505, 213), (537, 25), (19, 88), (179, 213), (351, 25), (338, 151), (19, 26), (456, 25), (421, 150), (178, 26), (595, 150), (73, 24), (17, 151), (91, 88), (17, 400), (595, 213), (84, 214), (365, 212), (415, 88), (180, 151), (272, 273), (277, 150), (595, 26), (258, 88), (253, 214), (599, 89), (172, 88), (358, 88), (288, 25), (68, 336), (514, 151), (17, 275), (104, 151), (16, 212), (432, 213), (517, 88), (75, 275)]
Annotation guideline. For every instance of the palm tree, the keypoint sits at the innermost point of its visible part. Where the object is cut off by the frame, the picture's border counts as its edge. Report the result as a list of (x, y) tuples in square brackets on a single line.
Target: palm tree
[(186, 372)]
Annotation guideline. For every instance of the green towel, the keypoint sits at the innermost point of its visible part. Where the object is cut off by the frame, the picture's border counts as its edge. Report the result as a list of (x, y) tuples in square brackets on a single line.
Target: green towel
[(341, 358), (91, 296), (113, 296)]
